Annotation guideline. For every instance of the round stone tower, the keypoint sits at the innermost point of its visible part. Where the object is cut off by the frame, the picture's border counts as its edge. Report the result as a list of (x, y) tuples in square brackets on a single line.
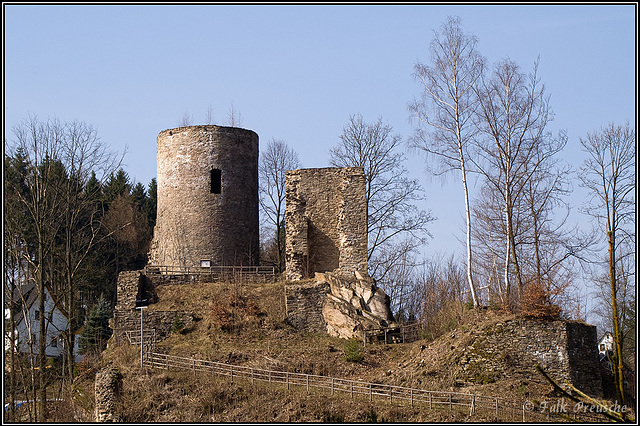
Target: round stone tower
[(207, 198)]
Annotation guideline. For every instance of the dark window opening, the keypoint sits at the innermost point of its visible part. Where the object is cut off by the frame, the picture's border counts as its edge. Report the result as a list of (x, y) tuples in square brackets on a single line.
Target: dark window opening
[(216, 181)]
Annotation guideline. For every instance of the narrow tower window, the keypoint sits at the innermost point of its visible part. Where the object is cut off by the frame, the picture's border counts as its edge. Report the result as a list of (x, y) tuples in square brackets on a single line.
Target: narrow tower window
[(216, 181)]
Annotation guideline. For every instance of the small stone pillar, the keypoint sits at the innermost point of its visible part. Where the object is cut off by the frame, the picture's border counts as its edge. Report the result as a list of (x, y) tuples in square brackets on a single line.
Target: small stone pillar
[(107, 388)]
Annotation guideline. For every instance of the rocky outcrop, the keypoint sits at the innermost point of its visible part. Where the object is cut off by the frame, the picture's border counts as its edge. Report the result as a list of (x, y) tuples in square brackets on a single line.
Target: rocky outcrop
[(339, 304)]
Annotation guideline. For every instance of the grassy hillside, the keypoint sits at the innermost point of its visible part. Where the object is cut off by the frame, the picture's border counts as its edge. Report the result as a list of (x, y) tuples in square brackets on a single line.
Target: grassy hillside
[(245, 325)]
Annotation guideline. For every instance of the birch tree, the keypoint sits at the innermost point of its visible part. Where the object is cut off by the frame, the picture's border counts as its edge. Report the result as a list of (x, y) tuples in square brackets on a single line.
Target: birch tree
[(59, 158), (40, 143), (609, 175), (446, 107), (513, 145), (83, 155)]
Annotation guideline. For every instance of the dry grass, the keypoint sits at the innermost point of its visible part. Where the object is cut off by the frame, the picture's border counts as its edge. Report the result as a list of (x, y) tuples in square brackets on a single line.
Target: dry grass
[(245, 325)]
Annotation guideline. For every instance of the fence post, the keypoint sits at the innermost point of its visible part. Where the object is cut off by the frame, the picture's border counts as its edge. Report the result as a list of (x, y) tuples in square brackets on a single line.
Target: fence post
[(193, 362), (351, 389), (430, 404), (385, 336), (450, 402), (473, 405), (390, 394), (411, 390), (269, 376), (370, 393), (523, 411), (307, 383), (332, 386), (496, 409), (232, 374), (287, 373), (252, 380), (402, 334)]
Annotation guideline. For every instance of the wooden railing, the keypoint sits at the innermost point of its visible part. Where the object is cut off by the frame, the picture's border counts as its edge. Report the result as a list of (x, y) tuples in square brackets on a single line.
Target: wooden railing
[(486, 407), (401, 334), (134, 337)]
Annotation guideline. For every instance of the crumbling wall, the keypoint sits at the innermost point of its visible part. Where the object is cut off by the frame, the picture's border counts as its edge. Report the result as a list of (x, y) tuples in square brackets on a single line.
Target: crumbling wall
[(566, 350), (341, 305), (108, 383), (131, 286), (304, 302), (326, 216)]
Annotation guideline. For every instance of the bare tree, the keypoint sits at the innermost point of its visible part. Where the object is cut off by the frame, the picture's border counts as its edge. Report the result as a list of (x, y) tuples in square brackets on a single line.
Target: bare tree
[(209, 119), (447, 106), (83, 154), (234, 118), (276, 159), (609, 175), (390, 194), (186, 120), (514, 145), (41, 201), (59, 158)]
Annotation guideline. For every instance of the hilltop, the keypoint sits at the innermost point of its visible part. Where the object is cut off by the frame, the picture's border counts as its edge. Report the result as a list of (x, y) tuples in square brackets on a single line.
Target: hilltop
[(245, 325)]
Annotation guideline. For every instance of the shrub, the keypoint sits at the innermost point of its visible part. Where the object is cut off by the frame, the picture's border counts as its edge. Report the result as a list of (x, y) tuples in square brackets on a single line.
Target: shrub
[(178, 325), (537, 303), (352, 352)]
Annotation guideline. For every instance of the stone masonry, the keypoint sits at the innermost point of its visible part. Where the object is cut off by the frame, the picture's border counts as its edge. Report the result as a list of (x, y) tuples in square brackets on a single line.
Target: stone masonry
[(207, 198), (341, 305), (108, 383), (326, 215), (135, 285), (566, 350)]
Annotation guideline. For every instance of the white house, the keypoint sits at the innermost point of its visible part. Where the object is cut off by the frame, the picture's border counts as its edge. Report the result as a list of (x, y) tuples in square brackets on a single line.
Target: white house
[(605, 345), (27, 318)]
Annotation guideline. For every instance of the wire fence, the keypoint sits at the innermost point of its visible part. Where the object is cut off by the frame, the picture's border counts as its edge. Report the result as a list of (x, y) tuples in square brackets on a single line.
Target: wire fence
[(484, 408)]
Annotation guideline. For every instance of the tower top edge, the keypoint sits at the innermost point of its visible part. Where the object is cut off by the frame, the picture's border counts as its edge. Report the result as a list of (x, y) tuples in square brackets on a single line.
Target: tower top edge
[(207, 128)]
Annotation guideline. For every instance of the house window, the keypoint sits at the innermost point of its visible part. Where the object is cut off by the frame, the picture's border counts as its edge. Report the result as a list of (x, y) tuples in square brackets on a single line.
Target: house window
[(37, 314), (54, 342), (216, 181), (205, 264), (602, 346)]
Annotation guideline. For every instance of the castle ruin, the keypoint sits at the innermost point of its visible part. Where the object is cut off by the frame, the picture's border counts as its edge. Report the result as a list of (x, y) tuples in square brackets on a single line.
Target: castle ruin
[(326, 216), (207, 198)]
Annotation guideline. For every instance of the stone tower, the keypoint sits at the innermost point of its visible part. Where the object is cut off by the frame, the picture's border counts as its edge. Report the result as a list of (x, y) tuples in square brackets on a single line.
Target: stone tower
[(326, 215), (207, 198)]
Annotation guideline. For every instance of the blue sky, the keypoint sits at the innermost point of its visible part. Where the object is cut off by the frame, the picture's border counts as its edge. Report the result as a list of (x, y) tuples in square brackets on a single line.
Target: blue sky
[(297, 72)]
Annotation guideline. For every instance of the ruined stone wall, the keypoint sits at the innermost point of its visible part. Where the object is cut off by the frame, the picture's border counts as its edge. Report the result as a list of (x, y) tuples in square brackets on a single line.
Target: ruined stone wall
[(304, 303), (326, 215), (340, 305), (207, 197), (566, 350), (108, 384), (133, 285)]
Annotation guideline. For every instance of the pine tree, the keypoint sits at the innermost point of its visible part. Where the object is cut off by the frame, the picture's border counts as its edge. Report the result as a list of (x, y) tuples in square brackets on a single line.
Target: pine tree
[(96, 331)]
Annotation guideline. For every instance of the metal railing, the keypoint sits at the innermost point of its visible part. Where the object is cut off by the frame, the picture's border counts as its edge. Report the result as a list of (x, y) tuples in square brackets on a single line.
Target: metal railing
[(208, 270)]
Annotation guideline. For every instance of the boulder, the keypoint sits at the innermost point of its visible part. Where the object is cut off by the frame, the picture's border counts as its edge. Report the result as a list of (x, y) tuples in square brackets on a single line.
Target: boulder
[(355, 303)]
